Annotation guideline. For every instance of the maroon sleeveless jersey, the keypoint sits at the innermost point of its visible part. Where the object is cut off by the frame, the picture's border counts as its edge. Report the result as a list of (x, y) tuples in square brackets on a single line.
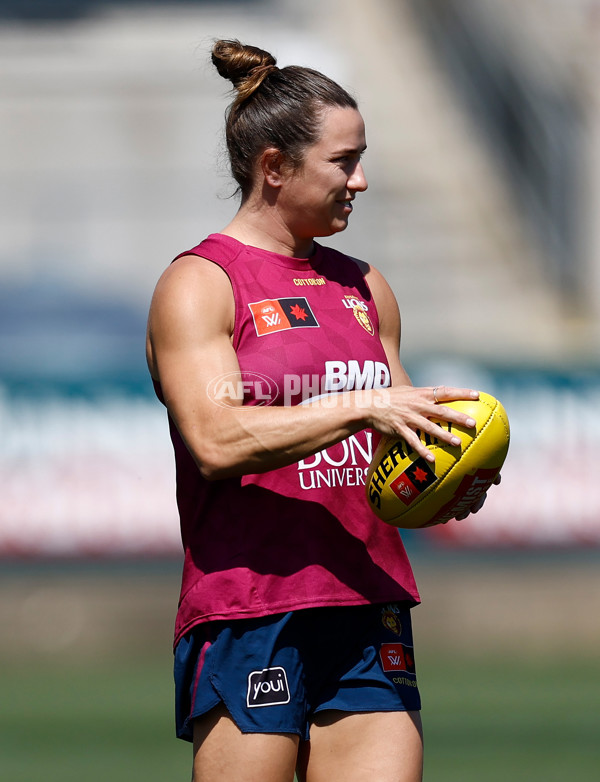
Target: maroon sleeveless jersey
[(300, 536)]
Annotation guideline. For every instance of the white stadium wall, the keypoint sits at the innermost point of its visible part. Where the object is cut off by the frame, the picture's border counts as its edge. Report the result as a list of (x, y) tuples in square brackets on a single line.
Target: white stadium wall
[(95, 476)]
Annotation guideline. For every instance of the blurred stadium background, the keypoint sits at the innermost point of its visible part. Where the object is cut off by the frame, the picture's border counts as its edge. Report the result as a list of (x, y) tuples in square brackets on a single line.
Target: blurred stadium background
[(483, 123)]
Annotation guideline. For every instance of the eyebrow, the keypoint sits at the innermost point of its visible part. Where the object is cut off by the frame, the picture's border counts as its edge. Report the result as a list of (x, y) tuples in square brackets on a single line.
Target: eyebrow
[(349, 150)]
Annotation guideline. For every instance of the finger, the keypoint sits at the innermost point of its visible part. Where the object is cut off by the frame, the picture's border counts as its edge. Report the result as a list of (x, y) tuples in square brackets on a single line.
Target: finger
[(414, 437), (435, 431), (453, 416), (473, 509), (413, 440), (479, 504), (441, 394)]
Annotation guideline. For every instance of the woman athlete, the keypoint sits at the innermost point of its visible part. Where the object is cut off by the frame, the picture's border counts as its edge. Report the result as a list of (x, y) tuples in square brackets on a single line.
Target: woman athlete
[(278, 361)]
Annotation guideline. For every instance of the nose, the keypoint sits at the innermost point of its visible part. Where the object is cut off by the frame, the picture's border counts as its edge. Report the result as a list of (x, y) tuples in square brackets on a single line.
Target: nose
[(357, 180)]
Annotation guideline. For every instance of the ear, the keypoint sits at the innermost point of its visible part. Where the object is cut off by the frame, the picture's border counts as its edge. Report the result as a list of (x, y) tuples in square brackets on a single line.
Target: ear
[(272, 165)]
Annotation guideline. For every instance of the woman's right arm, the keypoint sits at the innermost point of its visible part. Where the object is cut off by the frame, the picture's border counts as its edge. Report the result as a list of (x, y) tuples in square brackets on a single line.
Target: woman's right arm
[(189, 346)]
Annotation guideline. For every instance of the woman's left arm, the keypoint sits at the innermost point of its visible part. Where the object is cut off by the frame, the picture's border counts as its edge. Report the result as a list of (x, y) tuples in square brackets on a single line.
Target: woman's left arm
[(390, 326), (389, 333)]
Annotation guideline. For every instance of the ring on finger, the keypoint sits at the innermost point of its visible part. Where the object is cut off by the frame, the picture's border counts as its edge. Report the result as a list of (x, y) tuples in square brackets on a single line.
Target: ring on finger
[(435, 396)]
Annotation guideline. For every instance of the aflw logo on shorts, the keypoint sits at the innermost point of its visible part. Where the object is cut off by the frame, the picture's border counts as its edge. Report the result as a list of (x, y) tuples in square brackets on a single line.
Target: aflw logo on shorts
[(397, 657), (271, 315), (268, 687)]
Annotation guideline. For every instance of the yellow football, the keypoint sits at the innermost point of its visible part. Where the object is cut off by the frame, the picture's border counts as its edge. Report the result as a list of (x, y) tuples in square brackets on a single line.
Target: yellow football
[(407, 491)]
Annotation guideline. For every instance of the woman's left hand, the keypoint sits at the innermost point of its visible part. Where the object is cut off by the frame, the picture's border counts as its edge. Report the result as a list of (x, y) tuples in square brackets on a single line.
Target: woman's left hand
[(479, 504)]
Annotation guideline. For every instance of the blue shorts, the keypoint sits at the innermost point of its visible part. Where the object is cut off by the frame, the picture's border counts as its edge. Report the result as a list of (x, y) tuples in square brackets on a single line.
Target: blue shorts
[(274, 673)]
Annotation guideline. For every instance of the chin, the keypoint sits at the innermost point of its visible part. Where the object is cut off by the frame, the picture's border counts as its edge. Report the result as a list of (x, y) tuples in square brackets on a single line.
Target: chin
[(338, 227), (335, 227)]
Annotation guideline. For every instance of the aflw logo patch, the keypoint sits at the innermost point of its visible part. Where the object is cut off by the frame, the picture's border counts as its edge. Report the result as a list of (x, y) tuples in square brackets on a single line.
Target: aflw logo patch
[(272, 315), (397, 657), (268, 687), (413, 481)]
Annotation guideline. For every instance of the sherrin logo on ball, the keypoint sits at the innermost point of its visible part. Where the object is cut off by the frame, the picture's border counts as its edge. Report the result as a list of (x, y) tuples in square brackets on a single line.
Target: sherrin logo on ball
[(405, 490)]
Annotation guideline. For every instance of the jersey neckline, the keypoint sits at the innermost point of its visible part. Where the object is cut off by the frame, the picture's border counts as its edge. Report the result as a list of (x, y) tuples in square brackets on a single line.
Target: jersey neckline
[(298, 264)]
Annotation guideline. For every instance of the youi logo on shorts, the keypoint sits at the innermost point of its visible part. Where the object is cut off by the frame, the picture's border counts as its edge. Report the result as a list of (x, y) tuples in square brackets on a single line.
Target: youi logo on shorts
[(268, 687)]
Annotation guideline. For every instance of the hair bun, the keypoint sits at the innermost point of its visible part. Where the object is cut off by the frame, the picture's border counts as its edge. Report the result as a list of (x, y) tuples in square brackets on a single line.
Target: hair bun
[(246, 67)]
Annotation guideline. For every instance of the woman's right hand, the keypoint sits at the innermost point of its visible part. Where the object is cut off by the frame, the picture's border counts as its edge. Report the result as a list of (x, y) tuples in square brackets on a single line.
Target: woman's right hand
[(405, 411)]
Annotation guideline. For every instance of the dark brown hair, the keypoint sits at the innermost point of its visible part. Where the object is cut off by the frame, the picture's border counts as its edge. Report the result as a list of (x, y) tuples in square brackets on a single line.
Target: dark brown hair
[(273, 107)]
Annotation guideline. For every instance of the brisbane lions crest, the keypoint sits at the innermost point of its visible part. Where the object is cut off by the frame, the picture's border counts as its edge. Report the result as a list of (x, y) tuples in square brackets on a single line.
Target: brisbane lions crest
[(389, 618), (360, 310)]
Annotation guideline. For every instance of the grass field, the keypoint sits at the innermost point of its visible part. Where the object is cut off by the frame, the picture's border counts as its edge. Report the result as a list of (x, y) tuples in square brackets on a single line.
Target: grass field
[(514, 720), (98, 723), (488, 721), (99, 711)]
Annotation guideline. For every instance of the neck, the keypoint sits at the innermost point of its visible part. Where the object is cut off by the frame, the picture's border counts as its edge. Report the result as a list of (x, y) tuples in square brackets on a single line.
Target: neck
[(264, 228)]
